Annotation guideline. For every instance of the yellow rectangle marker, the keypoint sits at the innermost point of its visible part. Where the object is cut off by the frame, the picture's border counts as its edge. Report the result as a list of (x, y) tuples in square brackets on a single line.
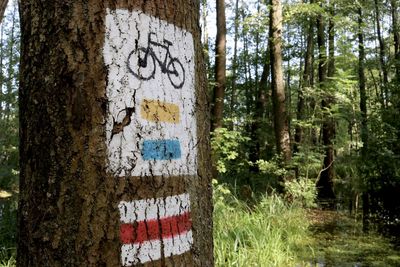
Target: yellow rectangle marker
[(159, 111)]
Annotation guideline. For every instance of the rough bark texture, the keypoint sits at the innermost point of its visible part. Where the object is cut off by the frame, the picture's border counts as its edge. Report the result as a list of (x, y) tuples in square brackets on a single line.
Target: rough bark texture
[(69, 199), (3, 6), (220, 67), (278, 88), (325, 181)]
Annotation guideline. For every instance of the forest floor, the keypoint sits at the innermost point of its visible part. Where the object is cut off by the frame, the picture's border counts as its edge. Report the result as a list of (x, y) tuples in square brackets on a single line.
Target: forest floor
[(339, 241)]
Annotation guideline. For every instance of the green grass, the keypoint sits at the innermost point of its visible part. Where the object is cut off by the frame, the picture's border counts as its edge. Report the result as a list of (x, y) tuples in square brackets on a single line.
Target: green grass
[(341, 242), (8, 229), (270, 233)]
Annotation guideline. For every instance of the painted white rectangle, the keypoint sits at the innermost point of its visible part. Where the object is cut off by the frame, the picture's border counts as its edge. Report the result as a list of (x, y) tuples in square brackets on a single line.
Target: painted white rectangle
[(129, 83), (153, 208), (132, 254)]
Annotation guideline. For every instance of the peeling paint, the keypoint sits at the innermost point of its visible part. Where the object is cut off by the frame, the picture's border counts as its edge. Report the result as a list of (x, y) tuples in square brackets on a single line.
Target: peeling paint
[(149, 60), (155, 228)]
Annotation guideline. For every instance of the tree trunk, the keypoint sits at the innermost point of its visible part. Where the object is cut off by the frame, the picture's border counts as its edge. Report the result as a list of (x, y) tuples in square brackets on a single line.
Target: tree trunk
[(234, 64), (363, 109), (3, 6), (1, 69), (396, 37), (325, 181), (205, 36), (220, 68), (306, 83), (278, 88), (114, 149), (258, 116), (12, 62), (382, 54)]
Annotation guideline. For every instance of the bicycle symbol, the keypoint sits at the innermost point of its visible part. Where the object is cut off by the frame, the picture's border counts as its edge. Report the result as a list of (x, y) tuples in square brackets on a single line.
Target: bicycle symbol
[(142, 63)]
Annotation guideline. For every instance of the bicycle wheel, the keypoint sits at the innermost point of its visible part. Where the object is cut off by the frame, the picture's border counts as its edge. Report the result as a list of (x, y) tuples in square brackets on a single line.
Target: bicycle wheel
[(141, 64), (176, 73)]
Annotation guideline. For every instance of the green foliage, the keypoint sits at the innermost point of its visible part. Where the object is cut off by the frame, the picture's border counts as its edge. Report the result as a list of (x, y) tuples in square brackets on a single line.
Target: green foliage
[(226, 146), (302, 192), (271, 233), (271, 167)]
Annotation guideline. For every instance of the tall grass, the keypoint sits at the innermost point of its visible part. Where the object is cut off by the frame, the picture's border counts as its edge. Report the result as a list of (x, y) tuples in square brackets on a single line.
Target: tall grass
[(269, 233), (8, 229)]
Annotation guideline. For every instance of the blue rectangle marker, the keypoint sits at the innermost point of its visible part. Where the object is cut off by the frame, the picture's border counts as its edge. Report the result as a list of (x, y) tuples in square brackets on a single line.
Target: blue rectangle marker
[(161, 149)]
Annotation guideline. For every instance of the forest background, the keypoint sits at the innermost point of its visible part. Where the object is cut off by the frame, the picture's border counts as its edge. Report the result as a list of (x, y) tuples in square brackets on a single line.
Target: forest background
[(298, 145)]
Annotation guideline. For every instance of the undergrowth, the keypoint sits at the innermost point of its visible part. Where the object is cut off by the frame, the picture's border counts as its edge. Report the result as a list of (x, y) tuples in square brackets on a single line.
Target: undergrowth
[(269, 232)]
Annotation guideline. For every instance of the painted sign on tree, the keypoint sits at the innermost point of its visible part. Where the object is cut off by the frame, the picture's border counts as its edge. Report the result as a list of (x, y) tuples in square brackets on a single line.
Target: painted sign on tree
[(150, 89), (151, 128)]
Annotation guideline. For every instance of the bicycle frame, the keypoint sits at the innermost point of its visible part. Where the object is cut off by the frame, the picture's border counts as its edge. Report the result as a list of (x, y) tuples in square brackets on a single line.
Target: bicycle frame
[(168, 65), (150, 43)]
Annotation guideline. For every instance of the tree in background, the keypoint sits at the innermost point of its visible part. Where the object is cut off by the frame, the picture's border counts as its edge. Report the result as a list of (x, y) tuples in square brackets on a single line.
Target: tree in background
[(220, 68), (281, 123), (3, 6)]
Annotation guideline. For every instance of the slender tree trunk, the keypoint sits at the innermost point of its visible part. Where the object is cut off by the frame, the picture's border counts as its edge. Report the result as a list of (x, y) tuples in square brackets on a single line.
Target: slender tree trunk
[(306, 83), (278, 88), (259, 112), (114, 152), (325, 181), (220, 68), (263, 85), (205, 36), (248, 78), (3, 6), (11, 64), (396, 37), (1, 70), (363, 109), (234, 63), (382, 54)]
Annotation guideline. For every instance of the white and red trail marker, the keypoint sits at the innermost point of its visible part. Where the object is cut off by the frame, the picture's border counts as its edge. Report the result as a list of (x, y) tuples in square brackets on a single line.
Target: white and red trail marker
[(154, 228)]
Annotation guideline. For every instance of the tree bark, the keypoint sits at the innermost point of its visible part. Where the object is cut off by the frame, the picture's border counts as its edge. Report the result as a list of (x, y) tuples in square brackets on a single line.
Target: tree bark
[(325, 181), (396, 37), (220, 68), (278, 88), (234, 64), (12, 61), (259, 114), (205, 36), (3, 6), (102, 181), (382, 54)]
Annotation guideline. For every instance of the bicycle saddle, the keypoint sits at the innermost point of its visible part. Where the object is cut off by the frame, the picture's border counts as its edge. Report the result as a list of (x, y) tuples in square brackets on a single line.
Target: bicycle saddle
[(167, 42)]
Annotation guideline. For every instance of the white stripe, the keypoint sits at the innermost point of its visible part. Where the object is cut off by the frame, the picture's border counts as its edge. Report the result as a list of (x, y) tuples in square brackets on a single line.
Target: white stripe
[(178, 244), (153, 208), (132, 254)]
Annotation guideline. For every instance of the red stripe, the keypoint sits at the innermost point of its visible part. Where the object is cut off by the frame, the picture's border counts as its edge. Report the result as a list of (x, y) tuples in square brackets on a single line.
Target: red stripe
[(142, 231)]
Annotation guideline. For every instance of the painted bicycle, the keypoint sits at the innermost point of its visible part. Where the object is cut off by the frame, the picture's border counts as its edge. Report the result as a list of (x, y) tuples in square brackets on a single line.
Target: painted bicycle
[(142, 63)]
